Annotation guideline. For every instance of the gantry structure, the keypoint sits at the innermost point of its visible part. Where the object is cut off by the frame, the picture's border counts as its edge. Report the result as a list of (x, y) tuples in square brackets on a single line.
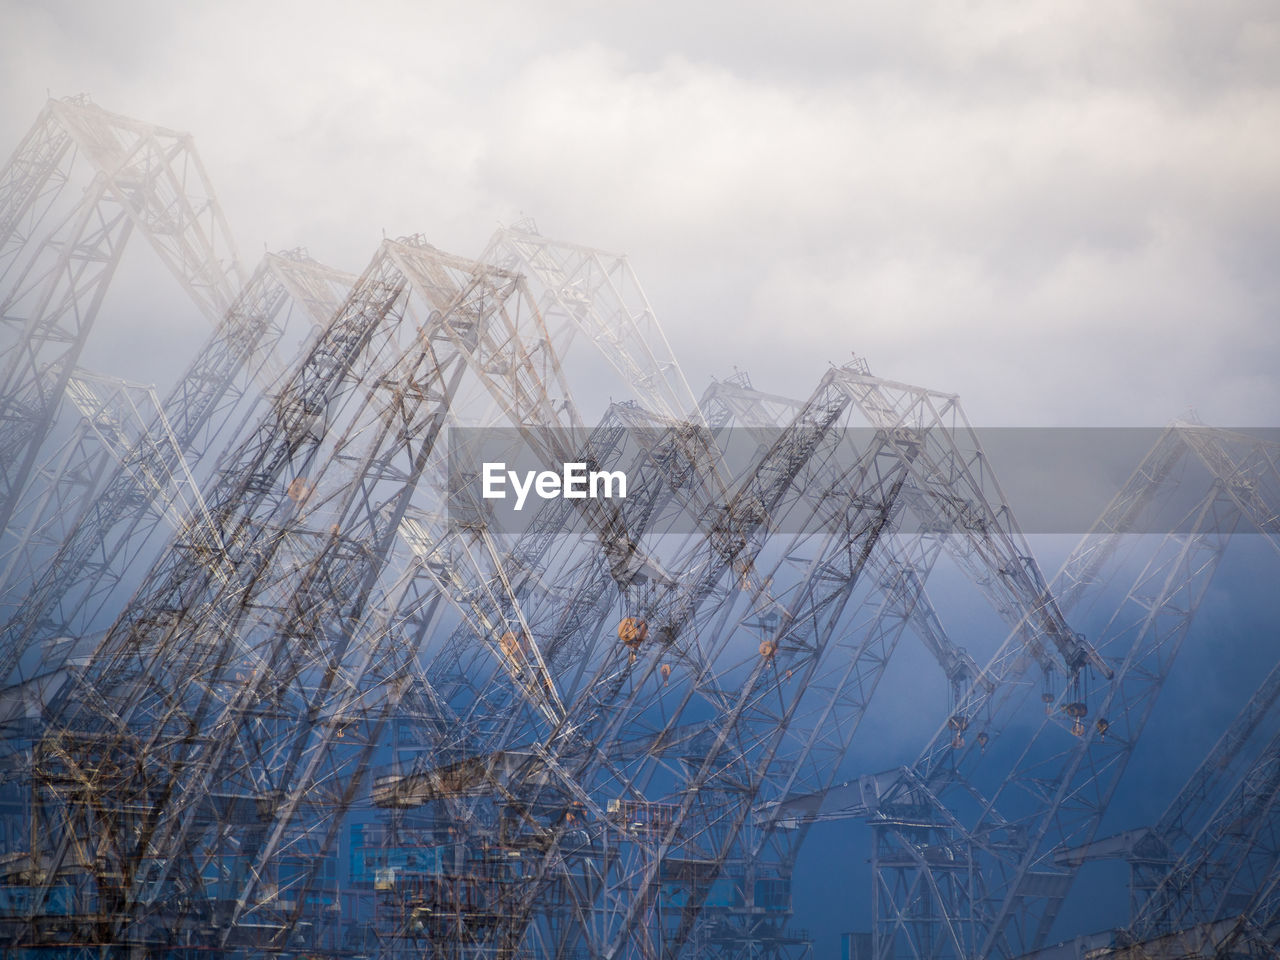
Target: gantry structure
[(277, 682)]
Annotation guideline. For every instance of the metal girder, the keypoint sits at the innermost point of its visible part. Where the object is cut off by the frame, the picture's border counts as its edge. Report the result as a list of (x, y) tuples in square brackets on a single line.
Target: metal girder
[(620, 688), (598, 294), (957, 486), (564, 780), (560, 619), (1015, 877), (155, 174), (471, 694), (491, 348), (145, 177), (167, 642), (152, 487), (831, 710), (112, 413), (47, 315), (480, 336), (1075, 783), (511, 388), (1244, 473), (1228, 861), (31, 184), (606, 796), (901, 580), (1151, 852)]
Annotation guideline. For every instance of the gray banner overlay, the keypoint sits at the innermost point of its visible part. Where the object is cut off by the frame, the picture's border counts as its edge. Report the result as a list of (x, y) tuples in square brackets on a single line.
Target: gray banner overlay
[(1055, 480)]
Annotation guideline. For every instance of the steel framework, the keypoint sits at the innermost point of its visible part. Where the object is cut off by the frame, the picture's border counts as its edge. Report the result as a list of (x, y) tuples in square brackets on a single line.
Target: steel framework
[(272, 684)]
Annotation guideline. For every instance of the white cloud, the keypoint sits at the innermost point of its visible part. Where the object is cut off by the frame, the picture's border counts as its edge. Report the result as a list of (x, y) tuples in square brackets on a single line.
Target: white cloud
[(1063, 217)]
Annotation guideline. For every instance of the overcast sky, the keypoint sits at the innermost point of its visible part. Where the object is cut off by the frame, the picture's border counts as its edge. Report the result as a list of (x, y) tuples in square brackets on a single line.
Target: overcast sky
[(1066, 215), (1067, 212)]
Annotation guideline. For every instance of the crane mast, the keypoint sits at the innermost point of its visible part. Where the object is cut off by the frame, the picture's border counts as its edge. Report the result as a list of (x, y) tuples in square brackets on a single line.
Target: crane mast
[(277, 681)]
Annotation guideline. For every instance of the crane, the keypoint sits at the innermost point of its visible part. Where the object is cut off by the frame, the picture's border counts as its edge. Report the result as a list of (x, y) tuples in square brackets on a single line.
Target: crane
[(58, 257)]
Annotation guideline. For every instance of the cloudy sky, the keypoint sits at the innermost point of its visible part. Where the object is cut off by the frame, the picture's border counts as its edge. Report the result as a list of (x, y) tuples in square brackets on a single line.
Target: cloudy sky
[(1066, 217), (1068, 213)]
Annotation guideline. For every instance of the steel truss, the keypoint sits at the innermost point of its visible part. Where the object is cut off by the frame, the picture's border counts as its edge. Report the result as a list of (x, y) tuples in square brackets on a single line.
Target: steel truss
[(961, 872), (57, 259), (606, 736)]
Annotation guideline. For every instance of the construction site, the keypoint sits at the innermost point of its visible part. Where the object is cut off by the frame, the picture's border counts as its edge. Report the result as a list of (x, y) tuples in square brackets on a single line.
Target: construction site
[(279, 682)]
